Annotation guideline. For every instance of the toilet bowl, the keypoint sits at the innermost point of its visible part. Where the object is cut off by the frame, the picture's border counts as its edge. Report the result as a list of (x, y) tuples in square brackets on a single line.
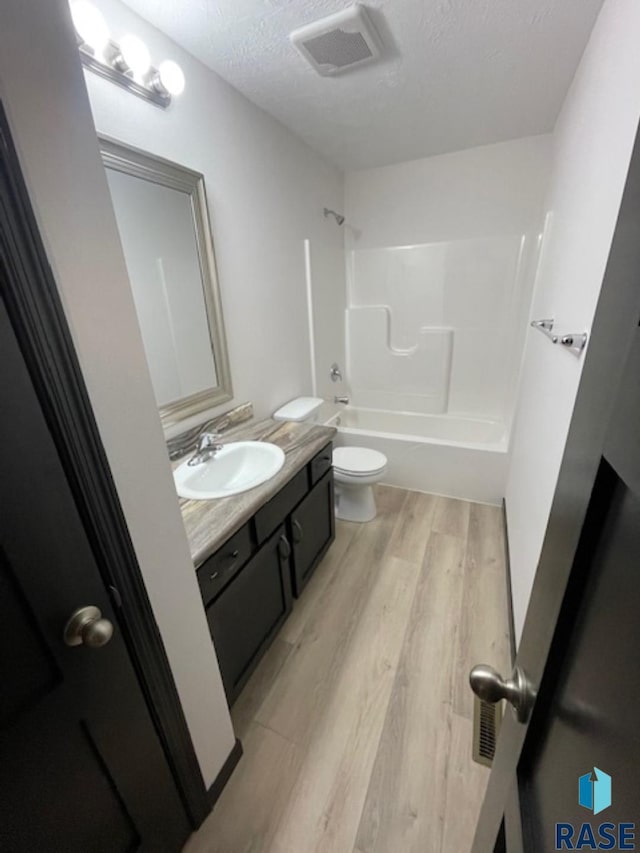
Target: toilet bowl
[(355, 471)]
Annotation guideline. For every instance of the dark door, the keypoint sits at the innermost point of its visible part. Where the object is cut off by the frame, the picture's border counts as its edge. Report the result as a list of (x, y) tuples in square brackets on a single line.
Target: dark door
[(81, 766), (590, 727), (567, 775), (312, 530)]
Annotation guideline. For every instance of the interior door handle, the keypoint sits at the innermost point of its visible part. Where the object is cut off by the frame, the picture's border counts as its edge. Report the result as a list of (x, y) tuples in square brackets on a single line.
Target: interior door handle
[(489, 685), (87, 627)]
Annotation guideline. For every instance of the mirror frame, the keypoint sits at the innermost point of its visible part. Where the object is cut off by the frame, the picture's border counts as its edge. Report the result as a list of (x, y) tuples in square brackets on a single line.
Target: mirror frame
[(140, 164)]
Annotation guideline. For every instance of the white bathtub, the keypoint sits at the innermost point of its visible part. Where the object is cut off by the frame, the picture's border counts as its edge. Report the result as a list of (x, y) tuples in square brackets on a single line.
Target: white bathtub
[(444, 454)]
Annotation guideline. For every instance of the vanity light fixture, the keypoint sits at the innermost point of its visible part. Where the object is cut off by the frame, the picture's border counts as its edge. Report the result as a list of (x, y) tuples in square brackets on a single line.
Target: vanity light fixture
[(90, 26), (133, 56), (126, 63), (170, 77)]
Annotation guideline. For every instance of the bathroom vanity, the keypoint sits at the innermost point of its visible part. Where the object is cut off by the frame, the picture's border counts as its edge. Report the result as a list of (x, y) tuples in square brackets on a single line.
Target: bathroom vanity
[(254, 552)]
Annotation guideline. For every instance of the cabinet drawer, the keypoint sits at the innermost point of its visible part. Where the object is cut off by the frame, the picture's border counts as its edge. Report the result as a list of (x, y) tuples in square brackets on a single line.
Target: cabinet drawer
[(218, 570), (273, 513), (321, 463)]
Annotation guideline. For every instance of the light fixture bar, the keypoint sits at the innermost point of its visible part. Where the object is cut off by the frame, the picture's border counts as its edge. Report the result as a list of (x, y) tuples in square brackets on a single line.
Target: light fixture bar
[(123, 78)]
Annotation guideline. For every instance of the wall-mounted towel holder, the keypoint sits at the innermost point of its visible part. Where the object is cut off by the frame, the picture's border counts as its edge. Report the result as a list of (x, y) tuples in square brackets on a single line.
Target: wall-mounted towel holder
[(574, 341)]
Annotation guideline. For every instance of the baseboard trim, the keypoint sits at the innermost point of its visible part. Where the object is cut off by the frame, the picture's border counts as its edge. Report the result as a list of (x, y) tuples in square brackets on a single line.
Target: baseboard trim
[(507, 563), (224, 775)]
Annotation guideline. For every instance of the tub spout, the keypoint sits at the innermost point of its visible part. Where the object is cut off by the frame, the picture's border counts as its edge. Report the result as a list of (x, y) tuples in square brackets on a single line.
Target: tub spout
[(344, 400)]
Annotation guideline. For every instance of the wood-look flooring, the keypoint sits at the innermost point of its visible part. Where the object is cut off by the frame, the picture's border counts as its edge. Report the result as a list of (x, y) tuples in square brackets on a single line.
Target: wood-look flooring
[(357, 724)]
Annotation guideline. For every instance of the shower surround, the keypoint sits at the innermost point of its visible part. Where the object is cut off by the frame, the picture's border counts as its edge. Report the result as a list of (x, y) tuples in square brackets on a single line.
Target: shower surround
[(441, 259), (428, 327)]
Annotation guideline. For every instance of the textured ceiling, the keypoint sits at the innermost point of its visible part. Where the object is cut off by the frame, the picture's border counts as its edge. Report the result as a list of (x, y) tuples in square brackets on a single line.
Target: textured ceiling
[(455, 73)]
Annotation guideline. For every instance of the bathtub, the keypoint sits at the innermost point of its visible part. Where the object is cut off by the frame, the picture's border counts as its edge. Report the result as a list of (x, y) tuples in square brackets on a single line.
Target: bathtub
[(444, 454)]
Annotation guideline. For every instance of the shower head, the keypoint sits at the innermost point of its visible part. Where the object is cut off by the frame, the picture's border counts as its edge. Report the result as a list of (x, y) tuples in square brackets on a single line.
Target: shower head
[(337, 216)]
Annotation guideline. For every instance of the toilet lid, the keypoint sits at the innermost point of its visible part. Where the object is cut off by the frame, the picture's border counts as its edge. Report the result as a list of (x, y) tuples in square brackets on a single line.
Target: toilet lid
[(358, 460)]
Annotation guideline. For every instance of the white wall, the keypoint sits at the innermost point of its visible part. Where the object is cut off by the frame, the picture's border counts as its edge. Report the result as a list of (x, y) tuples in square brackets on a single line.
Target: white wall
[(450, 242), (266, 192), (480, 192), (43, 91), (592, 148)]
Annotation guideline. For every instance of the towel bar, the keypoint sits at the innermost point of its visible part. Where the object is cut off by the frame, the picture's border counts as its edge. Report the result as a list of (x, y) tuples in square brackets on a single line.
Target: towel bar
[(573, 341)]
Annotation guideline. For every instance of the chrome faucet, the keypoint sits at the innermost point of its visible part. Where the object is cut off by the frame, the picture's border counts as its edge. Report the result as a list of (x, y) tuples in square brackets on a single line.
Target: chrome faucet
[(187, 442), (207, 447), (344, 400)]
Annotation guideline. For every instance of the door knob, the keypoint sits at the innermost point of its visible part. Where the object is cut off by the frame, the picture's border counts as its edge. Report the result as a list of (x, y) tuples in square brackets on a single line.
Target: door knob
[(87, 627), (489, 685)]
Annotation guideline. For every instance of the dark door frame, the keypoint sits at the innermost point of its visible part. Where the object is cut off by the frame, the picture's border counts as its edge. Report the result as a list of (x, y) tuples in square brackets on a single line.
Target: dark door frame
[(37, 315)]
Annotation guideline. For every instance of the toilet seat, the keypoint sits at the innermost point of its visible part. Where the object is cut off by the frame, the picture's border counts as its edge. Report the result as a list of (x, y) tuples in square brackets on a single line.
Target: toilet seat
[(358, 461), (341, 472)]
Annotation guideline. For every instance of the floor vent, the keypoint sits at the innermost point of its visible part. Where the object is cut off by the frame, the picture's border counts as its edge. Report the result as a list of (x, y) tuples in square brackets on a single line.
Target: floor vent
[(486, 727), (338, 42)]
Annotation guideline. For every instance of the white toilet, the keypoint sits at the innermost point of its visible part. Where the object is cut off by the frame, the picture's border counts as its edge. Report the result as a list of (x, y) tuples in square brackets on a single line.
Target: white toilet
[(355, 469)]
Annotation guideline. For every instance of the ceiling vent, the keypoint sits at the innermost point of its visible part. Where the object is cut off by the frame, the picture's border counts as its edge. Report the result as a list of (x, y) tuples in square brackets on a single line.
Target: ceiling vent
[(338, 42)]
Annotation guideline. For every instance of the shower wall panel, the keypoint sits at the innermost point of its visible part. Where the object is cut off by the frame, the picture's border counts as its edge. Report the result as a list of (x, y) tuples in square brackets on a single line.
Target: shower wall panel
[(450, 242), (430, 328)]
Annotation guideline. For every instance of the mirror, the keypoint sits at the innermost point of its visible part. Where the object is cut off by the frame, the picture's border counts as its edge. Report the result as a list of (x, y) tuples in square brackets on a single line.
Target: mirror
[(161, 211)]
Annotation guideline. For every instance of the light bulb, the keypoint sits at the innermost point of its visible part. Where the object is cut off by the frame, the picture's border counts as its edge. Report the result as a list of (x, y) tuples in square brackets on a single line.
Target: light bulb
[(135, 55), (171, 77), (90, 25)]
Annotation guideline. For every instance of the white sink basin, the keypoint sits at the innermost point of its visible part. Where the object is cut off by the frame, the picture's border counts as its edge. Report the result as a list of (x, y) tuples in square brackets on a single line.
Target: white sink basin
[(239, 466)]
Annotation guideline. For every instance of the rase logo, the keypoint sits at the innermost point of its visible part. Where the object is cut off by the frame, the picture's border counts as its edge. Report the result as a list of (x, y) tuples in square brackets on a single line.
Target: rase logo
[(594, 790), (594, 793)]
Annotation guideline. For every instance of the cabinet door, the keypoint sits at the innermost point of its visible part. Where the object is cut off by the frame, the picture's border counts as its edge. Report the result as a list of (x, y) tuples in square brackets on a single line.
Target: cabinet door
[(245, 617), (312, 530)]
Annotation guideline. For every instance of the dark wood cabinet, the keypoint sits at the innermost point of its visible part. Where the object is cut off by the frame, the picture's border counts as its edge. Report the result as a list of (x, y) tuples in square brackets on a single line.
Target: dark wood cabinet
[(320, 464), (245, 618), (312, 530), (219, 569), (247, 586), (275, 511)]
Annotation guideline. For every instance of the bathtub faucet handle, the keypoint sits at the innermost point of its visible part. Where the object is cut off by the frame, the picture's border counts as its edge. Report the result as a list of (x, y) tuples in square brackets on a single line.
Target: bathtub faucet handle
[(343, 400), (335, 374)]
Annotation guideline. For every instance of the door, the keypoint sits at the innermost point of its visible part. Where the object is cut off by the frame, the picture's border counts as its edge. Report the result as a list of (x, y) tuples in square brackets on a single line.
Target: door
[(246, 615), (312, 530), (81, 765), (584, 764), (566, 775)]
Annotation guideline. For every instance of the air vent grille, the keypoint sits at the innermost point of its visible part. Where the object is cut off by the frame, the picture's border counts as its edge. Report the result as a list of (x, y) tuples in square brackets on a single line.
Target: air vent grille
[(338, 42), (486, 727), (338, 48)]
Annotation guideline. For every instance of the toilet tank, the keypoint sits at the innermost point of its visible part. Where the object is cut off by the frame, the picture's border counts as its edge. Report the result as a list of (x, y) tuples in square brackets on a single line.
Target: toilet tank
[(300, 409)]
